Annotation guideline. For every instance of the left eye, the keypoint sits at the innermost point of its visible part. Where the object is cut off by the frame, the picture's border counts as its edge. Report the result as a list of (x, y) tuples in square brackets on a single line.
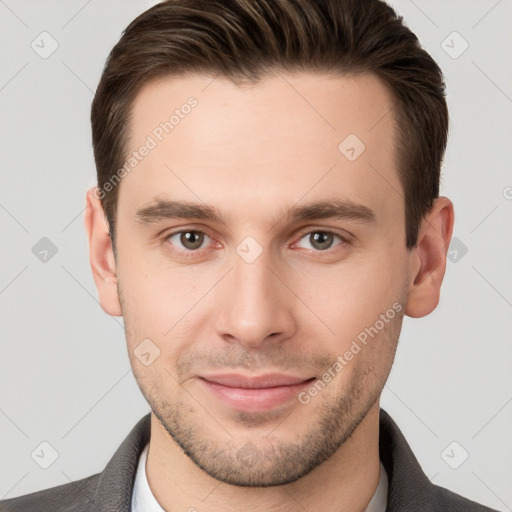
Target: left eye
[(190, 240), (320, 240)]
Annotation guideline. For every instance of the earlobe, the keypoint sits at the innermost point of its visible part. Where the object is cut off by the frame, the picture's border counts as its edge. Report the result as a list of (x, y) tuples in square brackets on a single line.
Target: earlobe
[(101, 255), (429, 259)]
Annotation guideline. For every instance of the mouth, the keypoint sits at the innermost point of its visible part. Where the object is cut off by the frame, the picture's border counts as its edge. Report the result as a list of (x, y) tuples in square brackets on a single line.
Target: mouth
[(254, 393)]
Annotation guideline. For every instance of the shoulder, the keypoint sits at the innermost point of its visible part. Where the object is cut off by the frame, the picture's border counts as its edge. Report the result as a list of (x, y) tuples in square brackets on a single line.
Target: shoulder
[(75, 496), (109, 490), (448, 500), (409, 488)]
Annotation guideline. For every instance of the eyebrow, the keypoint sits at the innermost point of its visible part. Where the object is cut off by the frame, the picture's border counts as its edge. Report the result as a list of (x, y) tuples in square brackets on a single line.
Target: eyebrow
[(161, 209)]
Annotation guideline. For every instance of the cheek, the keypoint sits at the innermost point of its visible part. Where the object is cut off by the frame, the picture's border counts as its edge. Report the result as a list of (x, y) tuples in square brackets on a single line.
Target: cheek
[(350, 296), (161, 304), (157, 295)]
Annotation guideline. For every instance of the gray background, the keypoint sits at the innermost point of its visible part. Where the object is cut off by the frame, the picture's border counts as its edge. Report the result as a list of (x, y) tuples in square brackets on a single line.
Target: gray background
[(64, 372)]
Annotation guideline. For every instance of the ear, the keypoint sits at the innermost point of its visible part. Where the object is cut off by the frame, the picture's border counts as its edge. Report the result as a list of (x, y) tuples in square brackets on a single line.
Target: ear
[(101, 255), (429, 259)]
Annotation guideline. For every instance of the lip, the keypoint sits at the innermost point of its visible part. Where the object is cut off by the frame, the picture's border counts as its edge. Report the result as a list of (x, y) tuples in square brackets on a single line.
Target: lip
[(254, 393)]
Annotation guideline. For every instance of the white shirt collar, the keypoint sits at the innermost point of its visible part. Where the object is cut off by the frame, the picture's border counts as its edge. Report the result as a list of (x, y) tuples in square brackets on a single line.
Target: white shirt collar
[(143, 499)]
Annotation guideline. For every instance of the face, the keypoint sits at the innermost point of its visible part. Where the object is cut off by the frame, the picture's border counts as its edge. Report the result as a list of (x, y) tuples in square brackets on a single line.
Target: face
[(262, 268)]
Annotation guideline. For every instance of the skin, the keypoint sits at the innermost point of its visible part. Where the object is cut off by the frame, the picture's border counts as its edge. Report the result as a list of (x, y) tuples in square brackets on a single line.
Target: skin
[(254, 152)]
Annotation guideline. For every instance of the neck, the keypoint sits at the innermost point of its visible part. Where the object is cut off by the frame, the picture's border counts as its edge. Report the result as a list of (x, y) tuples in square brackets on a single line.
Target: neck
[(345, 482)]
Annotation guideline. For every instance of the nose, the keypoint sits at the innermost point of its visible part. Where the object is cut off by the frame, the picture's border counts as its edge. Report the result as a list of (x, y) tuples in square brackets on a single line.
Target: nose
[(256, 307)]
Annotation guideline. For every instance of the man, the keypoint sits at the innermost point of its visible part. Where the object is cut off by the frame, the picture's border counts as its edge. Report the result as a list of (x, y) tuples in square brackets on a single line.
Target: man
[(267, 211)]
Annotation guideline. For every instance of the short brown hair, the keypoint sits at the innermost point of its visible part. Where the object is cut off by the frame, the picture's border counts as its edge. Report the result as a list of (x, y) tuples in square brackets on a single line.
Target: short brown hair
[(245, 40)]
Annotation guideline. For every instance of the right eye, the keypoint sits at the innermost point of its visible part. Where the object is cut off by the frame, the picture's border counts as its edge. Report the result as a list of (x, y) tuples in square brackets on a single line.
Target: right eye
[(187, 240)]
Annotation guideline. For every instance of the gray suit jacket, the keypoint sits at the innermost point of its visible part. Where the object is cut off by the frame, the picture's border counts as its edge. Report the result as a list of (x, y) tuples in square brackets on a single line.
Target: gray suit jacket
[(110, 491)]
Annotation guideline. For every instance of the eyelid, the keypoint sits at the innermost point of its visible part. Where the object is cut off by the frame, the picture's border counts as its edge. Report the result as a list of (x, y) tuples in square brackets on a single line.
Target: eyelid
[(184, 229), (326, 229)]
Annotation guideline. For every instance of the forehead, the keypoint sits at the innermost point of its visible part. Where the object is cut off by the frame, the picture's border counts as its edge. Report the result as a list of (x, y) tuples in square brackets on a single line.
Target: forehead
[(284, 138)]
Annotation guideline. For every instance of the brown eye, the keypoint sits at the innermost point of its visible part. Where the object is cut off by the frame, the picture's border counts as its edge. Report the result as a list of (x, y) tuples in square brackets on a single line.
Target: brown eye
[(189, 240), (319, 240)]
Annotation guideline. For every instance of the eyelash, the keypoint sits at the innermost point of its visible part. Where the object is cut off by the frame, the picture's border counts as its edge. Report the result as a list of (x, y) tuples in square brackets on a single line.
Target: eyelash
[(188, 253)]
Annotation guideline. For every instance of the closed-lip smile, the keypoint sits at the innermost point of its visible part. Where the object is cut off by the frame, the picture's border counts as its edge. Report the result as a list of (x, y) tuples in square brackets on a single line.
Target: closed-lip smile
[(254, 393)]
